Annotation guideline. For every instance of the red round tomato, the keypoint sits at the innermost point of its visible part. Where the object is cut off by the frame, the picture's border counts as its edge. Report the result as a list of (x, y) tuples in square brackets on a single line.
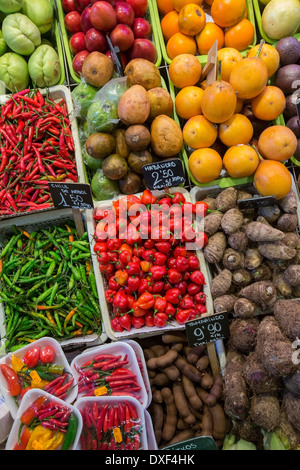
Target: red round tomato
[(47, 355), (32, 357)]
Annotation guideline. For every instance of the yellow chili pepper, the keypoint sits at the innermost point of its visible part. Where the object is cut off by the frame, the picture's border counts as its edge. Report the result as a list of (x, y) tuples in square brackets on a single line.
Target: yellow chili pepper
[(17, 364), (44, 439), (55, 442)]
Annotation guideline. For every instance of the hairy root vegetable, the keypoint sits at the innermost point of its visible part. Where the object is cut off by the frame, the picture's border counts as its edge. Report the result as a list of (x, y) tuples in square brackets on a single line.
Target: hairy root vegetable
[(265, 411), (258, 232), (244, 308), (238, 241), (292, 240), (212, 223), (226, 199), (292, 383), (214, 250), (287, 222), (169, 426), (262, 292), (249, 431), (292, 275), (253, 258), (262, 273), (281, 285), (182, 403), (224, 303), (232, 221), (241, 277), (221, 284), (291, 405), (287, 432), (289, 203), (287, 313), (257, 377), (277, 251), (233, 259), (270, 213), (236, 398), (243, 334)]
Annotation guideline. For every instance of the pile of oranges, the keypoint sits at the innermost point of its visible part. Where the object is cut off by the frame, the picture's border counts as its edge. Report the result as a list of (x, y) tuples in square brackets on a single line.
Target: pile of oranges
[(230, 123), (186, 29)]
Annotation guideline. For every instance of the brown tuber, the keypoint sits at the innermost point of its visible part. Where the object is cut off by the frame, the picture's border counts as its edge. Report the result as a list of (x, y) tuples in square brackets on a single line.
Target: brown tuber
[(241, 277), (257, 376), (226, 199), (212, 223), (232, 221), (243, 334), (292, 275), (291, 405), (233, 259), (259, 232), (289, 203), (238, 241), (214, 250), (244, 308), (287, 313), (265, 411), (224, 303), (262, 292), (221, 284), (270, 213), (236, 403), (277, 251), (253, 258), (287, 222)]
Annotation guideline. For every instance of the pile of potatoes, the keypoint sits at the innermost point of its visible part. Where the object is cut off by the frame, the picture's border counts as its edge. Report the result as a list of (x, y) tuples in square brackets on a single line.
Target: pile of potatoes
[(186, 397)]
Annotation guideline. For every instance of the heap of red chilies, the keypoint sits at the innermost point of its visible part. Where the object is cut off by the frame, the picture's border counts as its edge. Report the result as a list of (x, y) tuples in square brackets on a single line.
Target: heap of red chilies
[(36, 147)]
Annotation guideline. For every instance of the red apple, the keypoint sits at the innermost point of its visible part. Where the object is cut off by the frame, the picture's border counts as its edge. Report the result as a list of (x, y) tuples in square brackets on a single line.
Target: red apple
[(72, 22), (143, 49), (78, 61), (85, 21), (124, 59), (142, 28), (125, 13), (68, 5), (81, 4), (77, 43), (95, 40), (112, 2), (122, 37), (103, 16), (139, 7)]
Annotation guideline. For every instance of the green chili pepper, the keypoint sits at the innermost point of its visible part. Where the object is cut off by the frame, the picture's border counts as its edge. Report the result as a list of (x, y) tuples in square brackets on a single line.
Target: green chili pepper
[(71, 432)]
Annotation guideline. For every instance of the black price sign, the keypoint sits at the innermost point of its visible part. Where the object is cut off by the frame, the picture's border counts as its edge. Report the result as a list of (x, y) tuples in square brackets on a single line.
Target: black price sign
[(254, 202), (298, 105), (165, 174), (196, 443), (73, 195), (207, 329)]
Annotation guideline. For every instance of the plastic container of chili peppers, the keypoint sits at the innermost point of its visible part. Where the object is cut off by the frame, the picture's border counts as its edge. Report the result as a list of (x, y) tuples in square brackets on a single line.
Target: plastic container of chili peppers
[(152, 444), (41, 365), (109, 370), (112, 423), (46, 156), (39, 413)]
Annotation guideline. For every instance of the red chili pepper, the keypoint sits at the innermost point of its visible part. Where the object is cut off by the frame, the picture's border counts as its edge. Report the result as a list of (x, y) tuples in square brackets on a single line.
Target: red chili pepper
[(197, 277), (12, 380)]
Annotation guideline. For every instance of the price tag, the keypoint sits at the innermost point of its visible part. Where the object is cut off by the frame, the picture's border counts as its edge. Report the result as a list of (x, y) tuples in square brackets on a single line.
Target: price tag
[(71, 195), (207, 329), (164, 174), (196, 443), (100, 391), (35, 377), (117, 435), (260, 201)]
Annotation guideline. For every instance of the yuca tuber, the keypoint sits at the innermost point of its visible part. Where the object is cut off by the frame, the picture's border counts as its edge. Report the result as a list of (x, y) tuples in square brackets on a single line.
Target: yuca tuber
[(232, 221), (214, 250), (215, 392), (262, 292), (292, 383), (212, 223), (253, 258), (241, 277), (163, 361), (257, 376), (236, 398), (169, 426), (233, 259), (262, 273), (282, 286), (238, 241), (191, 394), (265, 411), (270, 213), (221, 284), (258, 232), (277, 251), (287, 313), (243, 334), (244, 308), (224, 303), (226, 199), (289, 203), (291, 404), (292, 275), (181, 403), (287, 222)]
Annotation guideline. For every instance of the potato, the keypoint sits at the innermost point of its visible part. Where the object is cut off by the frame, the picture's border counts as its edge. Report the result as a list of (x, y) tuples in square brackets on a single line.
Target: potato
[(134, 106), (160, 102), (166, 136)]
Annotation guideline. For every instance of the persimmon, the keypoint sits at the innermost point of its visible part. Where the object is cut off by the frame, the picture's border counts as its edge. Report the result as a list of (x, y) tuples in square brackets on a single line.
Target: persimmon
[(269, 55), (178, 4), (272, 178), (164, 6), (218, 101), (277, 143), (205, 165), (249, 77), (188, 102), (227, 13), (191, 19), (239, 106), (198, 132), (240, 161), (185, 70), (236, 130), (239, 36), (269, 104), (207, 37), (228, 56), (169, 25), (180, 43)]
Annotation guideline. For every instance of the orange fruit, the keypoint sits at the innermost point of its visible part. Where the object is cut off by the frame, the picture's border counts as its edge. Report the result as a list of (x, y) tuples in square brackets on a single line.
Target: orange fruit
[(227, 13), (218, 101), (240, 36), (269, 55), (198, 132), (273, 179), (209, 2), (205, 165), (269, 104), (239, 106), (185, 70), (240, 161), (277, 143), (169, 24), (228, 57), (180, 44), (207, 37), (237, 130), (249, 77), (191, 19), (164, 6), (188, 102), (178, 4)]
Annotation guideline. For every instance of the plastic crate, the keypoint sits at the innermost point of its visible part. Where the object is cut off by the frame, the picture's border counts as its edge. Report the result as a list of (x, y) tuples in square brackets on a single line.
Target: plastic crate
[(202, 58), (66, 38), (31, 223)]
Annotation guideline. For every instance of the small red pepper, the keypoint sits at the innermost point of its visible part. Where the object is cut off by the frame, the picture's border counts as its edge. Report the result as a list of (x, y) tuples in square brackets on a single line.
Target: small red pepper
[(197, 277), (12, 380), (145, 301)]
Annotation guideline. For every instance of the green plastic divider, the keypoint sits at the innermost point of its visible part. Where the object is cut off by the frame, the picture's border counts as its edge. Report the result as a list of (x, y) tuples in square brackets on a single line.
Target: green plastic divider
[(60, 54), (65, 37), (202, 58)]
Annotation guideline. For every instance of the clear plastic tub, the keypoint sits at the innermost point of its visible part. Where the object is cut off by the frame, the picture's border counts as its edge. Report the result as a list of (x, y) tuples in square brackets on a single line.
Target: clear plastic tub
[(119, 349), (28, 399), (116, 435), (152, 444), (60, 359)]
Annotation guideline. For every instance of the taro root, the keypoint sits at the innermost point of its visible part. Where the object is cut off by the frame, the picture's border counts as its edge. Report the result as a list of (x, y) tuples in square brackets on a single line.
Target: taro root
[(232, 221), (238, 241), (277, 251), (221, 284), (241, 277), (226, 199), (270, 213), (287, 222), (292, 275), (258, 232), (257, 376), (289, 203), (253, 258), (212, 223), (291, 405), (214, 250), (224, 303), (281, 285), (262, 273), (287, 313), (292, 240), (236, 397), (263, 293), (292, 383), (287, 432), (244, 308), (232, 259), (243, 334), (265, 411)]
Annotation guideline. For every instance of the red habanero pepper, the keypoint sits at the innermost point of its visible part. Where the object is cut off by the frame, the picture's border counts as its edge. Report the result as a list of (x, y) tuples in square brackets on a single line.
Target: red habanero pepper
[(163, 247), (137, 311), (194, 263), (193, 288), (116, 325), (197, 277), (165, 200), (120, 299), (200, 298), (186, 302), (12, 380), (182, 286), (113, 244), (125, 257), (147, 197), (157, 287), (160, 304), (201, 240), (125, 321), (160, 319), (200, 308), (109, 295), (144, 286), (173, 296), (149, 320), (121, 277), (149, 244), (174, 276), (160, 259), (133, 283), (145, 301), (201, 209), (178, 198), (182, 264), (183, 315), (133, 268), (157, 272)]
